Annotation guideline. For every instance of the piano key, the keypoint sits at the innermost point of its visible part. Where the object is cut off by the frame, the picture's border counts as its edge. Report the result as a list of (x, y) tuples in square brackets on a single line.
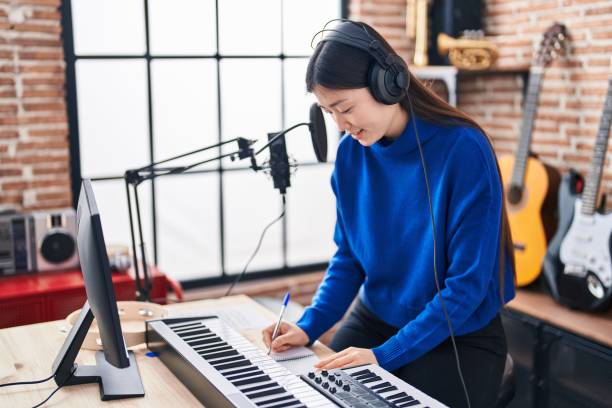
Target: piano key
[(213, 348), (292, 404), (371, 379), (271, 391), (240, 371), (360, 373), (219, 354), (200, 342), (182, 325), (380, 385), (395, 396), (409, 404), (251, 380), (246, 375), (243, 363), (259, 387), (273, 400), (224, 360), (387, 389), (196, 331), (404, 399)]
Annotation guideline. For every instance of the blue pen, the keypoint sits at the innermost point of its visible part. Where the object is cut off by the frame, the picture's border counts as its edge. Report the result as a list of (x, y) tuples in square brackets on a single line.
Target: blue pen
[(280, 318)]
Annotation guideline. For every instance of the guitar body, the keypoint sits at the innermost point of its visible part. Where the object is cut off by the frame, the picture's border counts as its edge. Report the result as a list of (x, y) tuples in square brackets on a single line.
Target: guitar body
[(587, 259), (532, 219), (552, 267)]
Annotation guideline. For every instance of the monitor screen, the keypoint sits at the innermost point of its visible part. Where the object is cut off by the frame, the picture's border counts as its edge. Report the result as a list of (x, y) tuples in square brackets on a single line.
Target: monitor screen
[(96, 273)]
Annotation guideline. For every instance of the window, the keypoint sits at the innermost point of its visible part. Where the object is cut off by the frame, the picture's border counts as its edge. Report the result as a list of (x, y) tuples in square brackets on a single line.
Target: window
[(150, 79)]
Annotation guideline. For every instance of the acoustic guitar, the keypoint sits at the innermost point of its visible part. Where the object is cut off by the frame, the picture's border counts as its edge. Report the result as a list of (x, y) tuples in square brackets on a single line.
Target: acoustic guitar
[(530, 185)]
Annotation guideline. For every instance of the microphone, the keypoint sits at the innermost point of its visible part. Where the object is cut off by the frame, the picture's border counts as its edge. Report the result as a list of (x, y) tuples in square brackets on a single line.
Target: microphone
[(279, 160)]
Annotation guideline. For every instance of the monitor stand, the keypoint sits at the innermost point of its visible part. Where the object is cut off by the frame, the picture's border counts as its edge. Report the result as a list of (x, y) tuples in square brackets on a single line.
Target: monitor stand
[(115, 383)]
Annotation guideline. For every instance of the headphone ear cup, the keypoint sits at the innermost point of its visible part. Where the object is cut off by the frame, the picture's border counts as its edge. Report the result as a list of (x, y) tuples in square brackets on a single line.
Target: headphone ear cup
[(383, 85)]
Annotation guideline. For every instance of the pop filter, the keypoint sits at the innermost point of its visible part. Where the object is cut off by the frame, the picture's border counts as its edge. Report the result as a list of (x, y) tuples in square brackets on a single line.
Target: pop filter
[(318, 133)]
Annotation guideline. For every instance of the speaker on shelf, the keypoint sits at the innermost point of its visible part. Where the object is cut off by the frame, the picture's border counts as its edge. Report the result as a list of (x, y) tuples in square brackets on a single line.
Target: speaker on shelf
[(54, 235), (16, 244)]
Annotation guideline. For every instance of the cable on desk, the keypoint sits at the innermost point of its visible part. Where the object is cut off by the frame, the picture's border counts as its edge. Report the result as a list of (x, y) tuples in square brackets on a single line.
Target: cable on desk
[(58, 387), (28, 382)]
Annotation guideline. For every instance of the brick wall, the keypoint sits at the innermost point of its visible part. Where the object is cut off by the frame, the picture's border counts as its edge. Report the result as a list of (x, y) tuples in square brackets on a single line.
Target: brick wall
[(34, 160), (34, 157), (573, 92)]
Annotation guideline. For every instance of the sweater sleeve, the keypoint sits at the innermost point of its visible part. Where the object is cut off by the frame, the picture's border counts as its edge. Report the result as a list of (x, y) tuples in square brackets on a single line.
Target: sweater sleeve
[(471, 246), (339, 286)]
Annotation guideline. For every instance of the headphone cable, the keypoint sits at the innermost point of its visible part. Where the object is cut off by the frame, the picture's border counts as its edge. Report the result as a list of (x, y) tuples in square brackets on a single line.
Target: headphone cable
[(433, 232)]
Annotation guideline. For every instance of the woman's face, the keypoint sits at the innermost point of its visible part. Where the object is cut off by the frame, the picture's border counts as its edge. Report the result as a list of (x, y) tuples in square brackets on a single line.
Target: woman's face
[(358, 113)]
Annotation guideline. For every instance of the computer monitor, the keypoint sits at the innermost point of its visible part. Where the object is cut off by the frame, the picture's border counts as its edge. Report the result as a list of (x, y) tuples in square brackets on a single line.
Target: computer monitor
[(115, 370)]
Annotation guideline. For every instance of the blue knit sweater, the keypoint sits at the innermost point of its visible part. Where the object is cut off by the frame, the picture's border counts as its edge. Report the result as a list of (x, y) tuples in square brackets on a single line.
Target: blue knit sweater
[(385, 246)]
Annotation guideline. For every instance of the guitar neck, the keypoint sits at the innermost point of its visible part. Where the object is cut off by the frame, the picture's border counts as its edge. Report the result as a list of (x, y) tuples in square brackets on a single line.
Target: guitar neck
[(593, 182), (529, 113)]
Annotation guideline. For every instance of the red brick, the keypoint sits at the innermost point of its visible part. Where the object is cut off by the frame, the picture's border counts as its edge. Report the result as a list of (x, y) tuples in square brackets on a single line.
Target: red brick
[(10, 173), (41, 55), (37, 28), (44, 106)]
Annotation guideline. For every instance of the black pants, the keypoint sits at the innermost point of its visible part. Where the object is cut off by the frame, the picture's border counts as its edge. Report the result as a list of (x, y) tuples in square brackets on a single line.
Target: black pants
[(482, 355)]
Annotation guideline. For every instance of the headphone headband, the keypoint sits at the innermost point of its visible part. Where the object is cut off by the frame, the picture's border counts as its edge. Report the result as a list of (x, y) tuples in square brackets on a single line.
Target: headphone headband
[(388, 78)]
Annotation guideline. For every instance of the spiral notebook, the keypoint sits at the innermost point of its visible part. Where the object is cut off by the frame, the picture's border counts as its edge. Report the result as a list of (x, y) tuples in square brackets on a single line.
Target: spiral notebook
[(298, 360)]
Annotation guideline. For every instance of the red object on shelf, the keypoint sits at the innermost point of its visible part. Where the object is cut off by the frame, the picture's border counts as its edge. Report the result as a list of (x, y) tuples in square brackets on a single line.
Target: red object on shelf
[(41, 297)]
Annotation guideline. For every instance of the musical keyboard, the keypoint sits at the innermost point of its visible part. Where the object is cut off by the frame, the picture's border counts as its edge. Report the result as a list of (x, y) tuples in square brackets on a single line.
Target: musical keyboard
[(223, 369), (368, 386)]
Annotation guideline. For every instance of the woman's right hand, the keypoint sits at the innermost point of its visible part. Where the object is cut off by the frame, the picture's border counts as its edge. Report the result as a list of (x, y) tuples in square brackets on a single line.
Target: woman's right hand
[(289, 335)]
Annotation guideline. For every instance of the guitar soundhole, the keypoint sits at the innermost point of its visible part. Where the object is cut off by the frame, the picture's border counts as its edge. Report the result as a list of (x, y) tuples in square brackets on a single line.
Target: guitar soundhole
[(515, 193)]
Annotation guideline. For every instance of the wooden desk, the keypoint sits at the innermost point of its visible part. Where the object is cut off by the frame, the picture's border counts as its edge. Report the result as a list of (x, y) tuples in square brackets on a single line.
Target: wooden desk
[(536, 303), (34, 347)]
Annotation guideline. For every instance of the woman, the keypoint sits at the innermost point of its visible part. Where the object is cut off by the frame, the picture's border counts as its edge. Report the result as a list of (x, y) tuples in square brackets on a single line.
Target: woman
[(406, 168)]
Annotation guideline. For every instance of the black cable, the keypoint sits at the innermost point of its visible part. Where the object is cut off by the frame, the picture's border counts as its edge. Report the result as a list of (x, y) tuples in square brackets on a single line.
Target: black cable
[(229, 290), (58, 387), (28, 382), (433, 232)]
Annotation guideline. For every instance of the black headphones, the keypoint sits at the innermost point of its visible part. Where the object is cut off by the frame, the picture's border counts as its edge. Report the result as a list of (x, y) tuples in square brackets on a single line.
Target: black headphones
[(388, 77)]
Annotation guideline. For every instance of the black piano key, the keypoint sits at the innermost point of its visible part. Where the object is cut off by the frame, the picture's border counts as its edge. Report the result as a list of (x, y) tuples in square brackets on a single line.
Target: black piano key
[(265, 393), (294, 403), (386, 389), (252, 380), (358, 373), (244, 375), (371, 379), (200, 342), (188, 337), (187, 333), (229, 374), (381, 385), (213, 348), (364, 376), (179, 326), (259, 387), (394, 396), (409, 404), (404, 399), (242, 363), (225, 359), (273, 400), (219, 354)]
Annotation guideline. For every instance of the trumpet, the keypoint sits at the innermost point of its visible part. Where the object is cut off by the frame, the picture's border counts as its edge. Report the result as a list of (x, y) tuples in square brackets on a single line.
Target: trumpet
[(470, 52)]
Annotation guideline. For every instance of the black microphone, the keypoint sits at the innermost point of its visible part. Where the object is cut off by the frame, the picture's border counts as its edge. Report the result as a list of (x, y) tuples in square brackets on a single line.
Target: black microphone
[(279, 162)]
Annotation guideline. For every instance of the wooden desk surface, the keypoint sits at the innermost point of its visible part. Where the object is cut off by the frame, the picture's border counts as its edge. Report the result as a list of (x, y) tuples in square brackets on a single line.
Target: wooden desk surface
[(536, 303), (33, 348)]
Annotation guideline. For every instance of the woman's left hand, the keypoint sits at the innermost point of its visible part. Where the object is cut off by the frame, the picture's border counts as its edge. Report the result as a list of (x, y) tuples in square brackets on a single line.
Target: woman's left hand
[(351, 356)]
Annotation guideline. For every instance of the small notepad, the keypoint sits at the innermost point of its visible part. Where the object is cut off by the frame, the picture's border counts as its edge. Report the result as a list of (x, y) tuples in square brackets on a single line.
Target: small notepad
[(298, 360), (293, 353)]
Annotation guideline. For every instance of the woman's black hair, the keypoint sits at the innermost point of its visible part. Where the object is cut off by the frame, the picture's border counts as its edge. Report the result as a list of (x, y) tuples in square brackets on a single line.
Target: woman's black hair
[(335, 65)]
